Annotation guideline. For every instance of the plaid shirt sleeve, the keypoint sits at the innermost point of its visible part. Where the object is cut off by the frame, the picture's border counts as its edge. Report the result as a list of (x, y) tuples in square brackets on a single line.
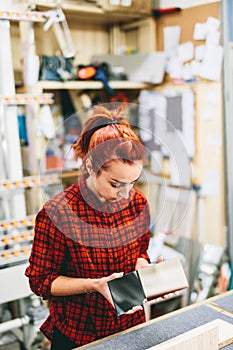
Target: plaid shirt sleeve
[(144, 240), (48, 251), (144, 246)]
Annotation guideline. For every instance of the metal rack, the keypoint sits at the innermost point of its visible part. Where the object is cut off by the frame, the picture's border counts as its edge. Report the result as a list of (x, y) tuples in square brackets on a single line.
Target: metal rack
[(16, 225)]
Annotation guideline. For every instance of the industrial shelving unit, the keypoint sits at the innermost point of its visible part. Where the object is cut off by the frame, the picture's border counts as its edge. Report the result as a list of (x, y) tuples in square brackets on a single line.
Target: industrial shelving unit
[(16, 224)]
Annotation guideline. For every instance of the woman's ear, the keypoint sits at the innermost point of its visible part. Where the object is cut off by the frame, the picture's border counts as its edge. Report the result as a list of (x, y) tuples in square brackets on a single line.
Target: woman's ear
[(89, 167)]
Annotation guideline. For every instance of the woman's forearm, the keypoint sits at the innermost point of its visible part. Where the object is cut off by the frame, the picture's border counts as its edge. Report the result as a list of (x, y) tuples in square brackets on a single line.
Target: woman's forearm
[(64, 286)]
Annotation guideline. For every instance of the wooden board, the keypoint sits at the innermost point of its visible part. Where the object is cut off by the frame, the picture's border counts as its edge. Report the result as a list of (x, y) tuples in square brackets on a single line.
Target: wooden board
[(213, 335)]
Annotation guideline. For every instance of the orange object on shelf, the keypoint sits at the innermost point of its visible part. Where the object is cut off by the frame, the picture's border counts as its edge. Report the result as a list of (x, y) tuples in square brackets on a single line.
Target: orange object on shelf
[(15, 253), (86, 73), (25, 250), (25, 236), (5, 225), (27, 183), (5, 240), (25, 222)]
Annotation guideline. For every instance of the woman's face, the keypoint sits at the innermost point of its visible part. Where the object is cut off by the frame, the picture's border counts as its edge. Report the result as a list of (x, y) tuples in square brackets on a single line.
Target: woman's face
[(116, 181)]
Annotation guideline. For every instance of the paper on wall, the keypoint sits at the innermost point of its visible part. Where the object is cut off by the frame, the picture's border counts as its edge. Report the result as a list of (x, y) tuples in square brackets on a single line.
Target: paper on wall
[(187, 72), (212, 64), (212, 24), (185, 51), (171, 40), (175, 68), (195, 66), (200, 31), (199, 52), (212, 38)]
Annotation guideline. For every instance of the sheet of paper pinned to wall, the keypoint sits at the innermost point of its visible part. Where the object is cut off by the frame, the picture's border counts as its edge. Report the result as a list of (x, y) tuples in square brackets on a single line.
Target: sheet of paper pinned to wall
[(200, 31), (185, 51), (212, 24), (213, 38), (171, 40), (195, 66), (175, 68), (199, 52), (212, 64)]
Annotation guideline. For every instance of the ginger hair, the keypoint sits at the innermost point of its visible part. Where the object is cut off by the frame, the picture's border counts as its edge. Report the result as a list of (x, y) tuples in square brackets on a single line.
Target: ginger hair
[(107, 136)]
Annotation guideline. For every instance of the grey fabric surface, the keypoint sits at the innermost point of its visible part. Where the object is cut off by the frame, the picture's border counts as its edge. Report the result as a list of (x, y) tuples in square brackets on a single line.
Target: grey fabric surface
[(228, 347), (158, 332), (225, 302)]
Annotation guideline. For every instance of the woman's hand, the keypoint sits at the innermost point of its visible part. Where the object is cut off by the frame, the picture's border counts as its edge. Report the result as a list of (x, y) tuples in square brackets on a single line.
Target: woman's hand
[(159, 260), (102, 287), (140, 263)]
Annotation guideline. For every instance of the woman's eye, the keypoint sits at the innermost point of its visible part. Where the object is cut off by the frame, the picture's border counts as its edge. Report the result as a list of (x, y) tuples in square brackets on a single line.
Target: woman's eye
[(115, 185)]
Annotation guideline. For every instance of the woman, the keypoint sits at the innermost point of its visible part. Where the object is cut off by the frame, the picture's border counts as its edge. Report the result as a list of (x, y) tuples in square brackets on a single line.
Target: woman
[(91, 233)]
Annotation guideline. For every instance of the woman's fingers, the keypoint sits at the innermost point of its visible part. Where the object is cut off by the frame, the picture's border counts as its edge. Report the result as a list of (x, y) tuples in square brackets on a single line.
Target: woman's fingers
[(134, 309), (159, 260), (115, 275)]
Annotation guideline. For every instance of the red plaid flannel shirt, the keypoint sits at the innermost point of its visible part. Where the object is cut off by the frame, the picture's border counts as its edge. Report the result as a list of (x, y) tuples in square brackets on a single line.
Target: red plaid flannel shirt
[(77, 236)]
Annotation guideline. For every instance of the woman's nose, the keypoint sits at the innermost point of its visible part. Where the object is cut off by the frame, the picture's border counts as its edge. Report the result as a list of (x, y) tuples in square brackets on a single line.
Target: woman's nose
[(124, 192)]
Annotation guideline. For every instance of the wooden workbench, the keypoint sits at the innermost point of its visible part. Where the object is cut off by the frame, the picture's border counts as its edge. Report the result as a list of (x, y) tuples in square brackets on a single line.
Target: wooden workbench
[(159, 330)]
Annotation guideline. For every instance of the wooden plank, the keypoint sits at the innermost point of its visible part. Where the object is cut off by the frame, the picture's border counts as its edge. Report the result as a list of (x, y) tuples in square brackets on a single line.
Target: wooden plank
[(93, 13), (213, 335), (90, 85)]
